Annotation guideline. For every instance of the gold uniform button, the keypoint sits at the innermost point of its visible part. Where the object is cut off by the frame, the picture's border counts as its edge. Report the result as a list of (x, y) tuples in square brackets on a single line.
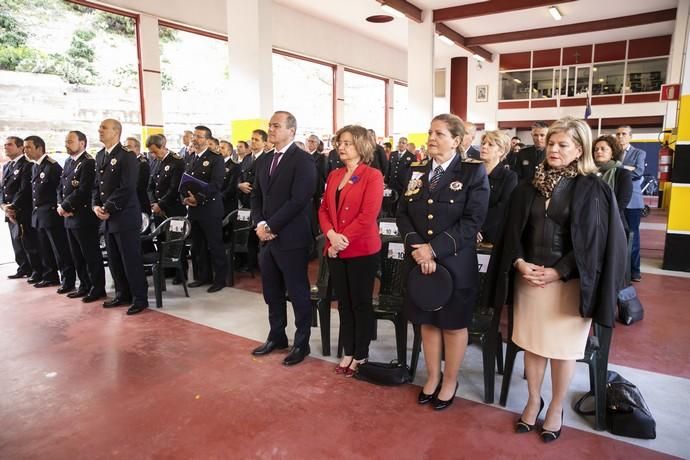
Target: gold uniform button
[(430, 232), (430, 216), (430, 201)]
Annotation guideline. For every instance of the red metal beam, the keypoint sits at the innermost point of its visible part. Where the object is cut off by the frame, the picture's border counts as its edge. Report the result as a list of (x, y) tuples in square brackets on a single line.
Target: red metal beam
[(490, 7), (579, 28), (408, 9), (461, 41)]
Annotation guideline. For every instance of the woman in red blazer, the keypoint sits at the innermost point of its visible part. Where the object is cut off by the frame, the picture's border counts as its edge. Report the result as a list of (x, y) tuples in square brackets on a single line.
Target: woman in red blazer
[(347, 216)]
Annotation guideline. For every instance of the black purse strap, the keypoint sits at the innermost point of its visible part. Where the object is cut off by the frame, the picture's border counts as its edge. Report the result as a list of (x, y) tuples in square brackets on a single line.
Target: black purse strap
[(578, 405)]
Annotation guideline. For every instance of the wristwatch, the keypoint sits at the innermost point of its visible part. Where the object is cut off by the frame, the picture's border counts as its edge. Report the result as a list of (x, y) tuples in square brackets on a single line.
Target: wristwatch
[(267, 229)]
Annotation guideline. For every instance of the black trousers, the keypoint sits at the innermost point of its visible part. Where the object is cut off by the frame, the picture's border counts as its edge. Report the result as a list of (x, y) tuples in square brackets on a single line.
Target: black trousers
[(353, 281), (208, 251), (55, 255), (88, 260), (26, 249), (281, 271), (126, 267)]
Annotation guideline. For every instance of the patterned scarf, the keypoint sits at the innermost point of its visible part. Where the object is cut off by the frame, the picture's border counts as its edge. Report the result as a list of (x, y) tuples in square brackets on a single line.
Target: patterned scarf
[(546, 178)]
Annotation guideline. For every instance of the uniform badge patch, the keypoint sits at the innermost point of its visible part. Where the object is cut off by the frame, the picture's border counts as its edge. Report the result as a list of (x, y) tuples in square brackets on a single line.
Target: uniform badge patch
[(113, 162), (455, 186), (206, 163), (42, 175), (16, 171), (525, 162), (167, 168), (75, 183)]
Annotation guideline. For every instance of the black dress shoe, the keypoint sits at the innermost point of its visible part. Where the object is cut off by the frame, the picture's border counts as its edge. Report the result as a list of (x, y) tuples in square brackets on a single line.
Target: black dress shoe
[(33, 279), (215, 288), (18, 275), (550, 436), (65, 289), (267, 347), (440, 404), (197, 283), (296, 355), (44, 283), (424, 398), (77, 294), (92, 297), (134, 309), (116, 302), (523, 427)]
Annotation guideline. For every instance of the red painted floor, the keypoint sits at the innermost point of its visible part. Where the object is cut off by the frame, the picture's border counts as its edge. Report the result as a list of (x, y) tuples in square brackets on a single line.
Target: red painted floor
[(154, 386)]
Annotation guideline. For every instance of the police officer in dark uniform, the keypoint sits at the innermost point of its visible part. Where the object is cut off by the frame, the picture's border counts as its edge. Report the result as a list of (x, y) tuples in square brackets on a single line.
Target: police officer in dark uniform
[(165, 180), (81, 224), (232, 171), (530, 157), (45, 180), (439, 216), (115, 203), (205, 210), (399, 170), (15, 200)]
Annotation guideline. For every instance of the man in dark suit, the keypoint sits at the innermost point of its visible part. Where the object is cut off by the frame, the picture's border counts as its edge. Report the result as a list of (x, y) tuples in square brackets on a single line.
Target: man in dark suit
[(320, 160), (399, 169), (115, 203), (205, 210), (232, 171), (81, 224), (468, 150), (530, 157), (134, 146), (45, 180), (281, 206), (15, 200)]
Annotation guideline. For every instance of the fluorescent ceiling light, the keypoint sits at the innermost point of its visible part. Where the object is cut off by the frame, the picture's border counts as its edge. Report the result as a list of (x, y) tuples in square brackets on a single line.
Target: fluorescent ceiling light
[(390, 10), (445, 40), (555, 13), (479, 58), (594, 69), (519, 82)]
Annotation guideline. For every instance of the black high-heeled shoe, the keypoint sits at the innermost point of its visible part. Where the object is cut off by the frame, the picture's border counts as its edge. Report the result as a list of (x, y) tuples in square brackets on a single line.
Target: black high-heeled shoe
[(550, 436), (523, 427), (441, 404), (424, 398)]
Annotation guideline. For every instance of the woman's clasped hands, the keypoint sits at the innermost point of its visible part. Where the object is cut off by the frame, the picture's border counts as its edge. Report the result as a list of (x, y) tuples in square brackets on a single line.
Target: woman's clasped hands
[(536, 275), (339, 242), (424, 256)]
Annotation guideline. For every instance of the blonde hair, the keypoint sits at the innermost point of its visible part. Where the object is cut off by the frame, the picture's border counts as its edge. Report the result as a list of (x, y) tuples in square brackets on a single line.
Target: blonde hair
[(581, 134), (499, 138), (361, 141)]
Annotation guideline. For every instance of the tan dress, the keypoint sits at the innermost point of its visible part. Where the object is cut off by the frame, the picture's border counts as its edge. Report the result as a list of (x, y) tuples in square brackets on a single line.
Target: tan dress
[(547, 320)]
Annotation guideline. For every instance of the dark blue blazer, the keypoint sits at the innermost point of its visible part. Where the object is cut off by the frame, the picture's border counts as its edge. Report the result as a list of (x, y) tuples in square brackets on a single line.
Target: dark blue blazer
[(16, 189), (208, 167), (116, 189), (284, 200), (447, 218), (45, 180), (76, 187)]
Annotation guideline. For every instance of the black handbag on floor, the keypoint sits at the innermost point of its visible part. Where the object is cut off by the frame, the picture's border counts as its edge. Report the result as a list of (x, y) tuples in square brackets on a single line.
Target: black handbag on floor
[(629, 307), (627, 413), (387, 374)]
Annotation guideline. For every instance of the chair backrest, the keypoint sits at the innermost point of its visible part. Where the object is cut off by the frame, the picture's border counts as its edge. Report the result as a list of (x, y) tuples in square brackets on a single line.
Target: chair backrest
[(323, 275), (241, 232), (172, 234), (393, 270), (229, 224)]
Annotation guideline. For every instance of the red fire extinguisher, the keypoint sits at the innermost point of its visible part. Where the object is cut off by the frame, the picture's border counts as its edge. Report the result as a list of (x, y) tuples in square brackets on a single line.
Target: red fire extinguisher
[(665, 163)]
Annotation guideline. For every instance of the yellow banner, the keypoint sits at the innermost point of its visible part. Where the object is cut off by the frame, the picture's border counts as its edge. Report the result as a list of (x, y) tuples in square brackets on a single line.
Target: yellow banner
[(242, 129)]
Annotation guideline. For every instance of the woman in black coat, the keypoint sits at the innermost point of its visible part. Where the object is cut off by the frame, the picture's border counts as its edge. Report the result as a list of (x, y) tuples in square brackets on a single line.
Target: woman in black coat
[(494, 147), (608, 157), (560, 264)]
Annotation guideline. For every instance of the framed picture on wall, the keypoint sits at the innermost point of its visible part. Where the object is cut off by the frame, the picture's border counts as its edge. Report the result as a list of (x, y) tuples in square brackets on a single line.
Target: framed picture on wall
[(482, 93)]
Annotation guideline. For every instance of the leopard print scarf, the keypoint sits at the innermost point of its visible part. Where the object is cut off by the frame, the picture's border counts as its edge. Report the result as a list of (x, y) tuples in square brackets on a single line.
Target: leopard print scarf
[(546, 179)]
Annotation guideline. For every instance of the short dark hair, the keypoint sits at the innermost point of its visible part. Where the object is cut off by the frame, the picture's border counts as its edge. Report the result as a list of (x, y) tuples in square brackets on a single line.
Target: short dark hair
[(388, 144), (80, 136), (37, 141), (515, 137), (540, 124), (155, 139), (262, 133), (18, 141), (613, 145), (205, 129), (246, 146), (213, 139), (227, 142)]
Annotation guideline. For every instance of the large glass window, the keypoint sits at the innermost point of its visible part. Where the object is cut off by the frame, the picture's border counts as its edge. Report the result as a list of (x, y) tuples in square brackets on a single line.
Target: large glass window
[(647, 75), (515, 85), (365, 101), (607, 78), (400, 127), (66, 67), (194, 77), (305, 89), (542, 83)]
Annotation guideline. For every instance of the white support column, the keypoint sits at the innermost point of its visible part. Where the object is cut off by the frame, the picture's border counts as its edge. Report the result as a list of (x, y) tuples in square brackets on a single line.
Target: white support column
[(420, 77), (390, 107), (339, 115), (251, 66), (150, 68)]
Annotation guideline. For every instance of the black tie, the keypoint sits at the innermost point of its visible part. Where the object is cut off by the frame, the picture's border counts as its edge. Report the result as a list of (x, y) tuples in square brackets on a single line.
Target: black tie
[(438, 172)]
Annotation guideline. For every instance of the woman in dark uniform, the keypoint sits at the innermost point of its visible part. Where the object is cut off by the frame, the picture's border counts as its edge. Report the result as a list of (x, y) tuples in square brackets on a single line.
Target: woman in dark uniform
[(439, 217), (494, 147)]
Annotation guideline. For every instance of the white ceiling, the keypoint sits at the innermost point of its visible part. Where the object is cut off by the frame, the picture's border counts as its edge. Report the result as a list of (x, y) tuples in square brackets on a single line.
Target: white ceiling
[(352, 13)]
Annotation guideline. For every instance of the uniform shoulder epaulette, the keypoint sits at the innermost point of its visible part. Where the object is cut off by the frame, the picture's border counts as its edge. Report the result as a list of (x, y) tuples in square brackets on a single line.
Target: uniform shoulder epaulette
[(88, 156), (51, 159), (176, 156), (419, 163), (124, 147), (471, 160)]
